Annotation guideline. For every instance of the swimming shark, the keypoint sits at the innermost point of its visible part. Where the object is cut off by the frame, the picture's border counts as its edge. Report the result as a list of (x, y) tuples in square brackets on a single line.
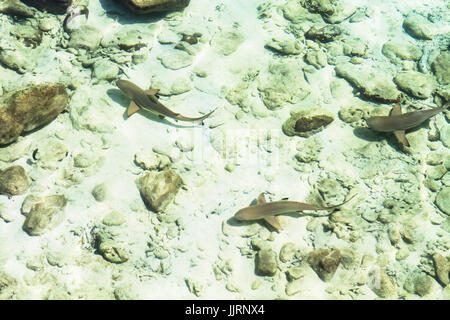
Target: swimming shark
[(270, 210), (147, 100), (398, 122)]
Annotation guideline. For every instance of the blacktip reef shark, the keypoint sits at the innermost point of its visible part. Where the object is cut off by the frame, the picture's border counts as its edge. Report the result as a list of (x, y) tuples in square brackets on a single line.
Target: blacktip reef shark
[(398, 122), (270, 210), (147, 100)]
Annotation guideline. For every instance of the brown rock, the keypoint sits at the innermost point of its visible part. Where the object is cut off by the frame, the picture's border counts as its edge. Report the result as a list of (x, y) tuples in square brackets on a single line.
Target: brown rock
[(52, 6), (10, 129), (148, 6), (45, 214), (442, 268), (324, 262), (13, 181), (15, 8), (306, 123), (30, 108), (158, 189)]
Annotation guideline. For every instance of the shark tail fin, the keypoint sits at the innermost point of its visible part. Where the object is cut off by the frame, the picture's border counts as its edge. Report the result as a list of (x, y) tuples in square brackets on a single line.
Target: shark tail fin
[(132, 108)]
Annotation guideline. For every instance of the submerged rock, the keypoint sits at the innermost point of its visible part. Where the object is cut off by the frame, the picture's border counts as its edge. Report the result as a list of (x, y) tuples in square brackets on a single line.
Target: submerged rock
[(418, 27), (52, 6), (15, 8), (14, 181), (324, 262), (294, 12), (226, 42), (441, 68), (175, 60), (323, 34), (306, 123), (382, 284), (43, 214), (443, 200), (86, 37), (372, 83), (148, 6), (442, 268), (30, 108), (397, 50), (266, 262), (158, 189), (284, 83), (415, 83)]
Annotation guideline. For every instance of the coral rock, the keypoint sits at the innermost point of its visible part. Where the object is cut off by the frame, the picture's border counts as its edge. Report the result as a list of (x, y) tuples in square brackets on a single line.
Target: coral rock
[(305, 124), (30, 108), (147, 6), (324, 262), (158, 189), (13, 181), (266, 262), (43, 214), (53, 6)]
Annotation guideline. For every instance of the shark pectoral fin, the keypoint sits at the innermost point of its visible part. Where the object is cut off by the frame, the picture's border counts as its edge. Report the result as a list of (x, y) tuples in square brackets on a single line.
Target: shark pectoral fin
[(396, 110), (132, 108), (261, 199), (152, 92), (274, 222), (401, 137)]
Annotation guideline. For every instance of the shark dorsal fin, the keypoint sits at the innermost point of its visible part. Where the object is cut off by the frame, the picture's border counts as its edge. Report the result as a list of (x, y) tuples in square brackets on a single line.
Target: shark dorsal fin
[(132, 108), (261, 199), (396, 110), (152, 92)]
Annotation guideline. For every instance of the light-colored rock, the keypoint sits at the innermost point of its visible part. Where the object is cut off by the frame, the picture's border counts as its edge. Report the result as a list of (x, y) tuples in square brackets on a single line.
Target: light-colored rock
[(373, 83), (176, 59), (129, 38), (397, 50), (86, 37), (285, 46), (415, 83), (149, 160), (16, 56), (170, 87), (283, 84), (418, 26), (105, 70), (355, 47), (443, 200), (158, 189), (316, 58), (226, 42), (14, 181), (441, 68), (445, 137), (288, 251), (45, 214), (293, 11), (114, 218), (50, 153)]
